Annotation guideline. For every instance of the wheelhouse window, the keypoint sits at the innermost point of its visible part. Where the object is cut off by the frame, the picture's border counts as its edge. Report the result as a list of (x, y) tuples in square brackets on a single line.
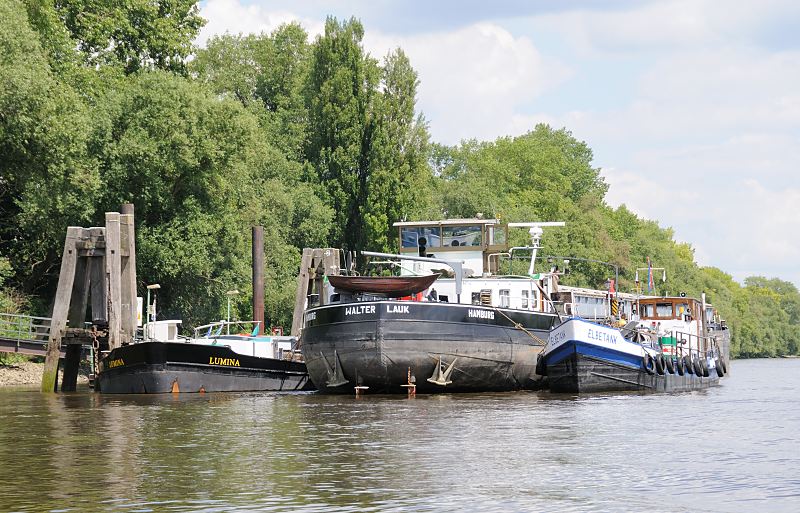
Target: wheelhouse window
[(497, 235), (410, 236), (525, 299), (455, 236), (664, 310)]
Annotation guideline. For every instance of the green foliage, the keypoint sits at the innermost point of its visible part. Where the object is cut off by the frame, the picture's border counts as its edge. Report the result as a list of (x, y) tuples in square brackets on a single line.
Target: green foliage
[(134, 34), (48, 179), (266, 74), (317, 141)]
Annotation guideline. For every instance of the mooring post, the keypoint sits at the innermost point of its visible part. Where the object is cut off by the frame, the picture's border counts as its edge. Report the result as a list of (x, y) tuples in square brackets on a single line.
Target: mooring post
[(113, 280), (128, 263), (75, 317), (302, 291), (61, 305), (258, 277)]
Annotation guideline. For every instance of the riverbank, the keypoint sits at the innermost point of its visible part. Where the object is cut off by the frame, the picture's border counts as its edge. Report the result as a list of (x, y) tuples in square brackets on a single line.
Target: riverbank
[(29, 373)]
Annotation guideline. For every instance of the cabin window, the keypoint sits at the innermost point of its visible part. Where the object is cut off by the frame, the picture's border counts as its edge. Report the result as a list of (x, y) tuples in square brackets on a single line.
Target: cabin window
[(682, 309), (455, 236), (525, 299), (444, 299), (410, 235), (476, 298), (657, 311), (505, 298), (664, 310), (497, 235)]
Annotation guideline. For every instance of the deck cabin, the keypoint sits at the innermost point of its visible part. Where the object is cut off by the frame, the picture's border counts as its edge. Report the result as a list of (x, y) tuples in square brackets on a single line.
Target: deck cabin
[(683, 322), (479, 245), (595, 304)]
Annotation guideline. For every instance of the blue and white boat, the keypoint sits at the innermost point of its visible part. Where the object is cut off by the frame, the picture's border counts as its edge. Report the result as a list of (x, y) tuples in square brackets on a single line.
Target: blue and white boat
[(672, 346)]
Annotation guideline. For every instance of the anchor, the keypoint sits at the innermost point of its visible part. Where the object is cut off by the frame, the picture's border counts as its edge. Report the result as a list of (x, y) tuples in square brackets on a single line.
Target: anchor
[(442, 377), (335, 376)]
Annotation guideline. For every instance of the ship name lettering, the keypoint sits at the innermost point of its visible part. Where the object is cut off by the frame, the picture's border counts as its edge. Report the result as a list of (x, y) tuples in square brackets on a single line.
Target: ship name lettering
[(358, 310), (481, 314), (601, 336), (558, 337), (116, 363), (230, 362), (310, 316), (403, 309)]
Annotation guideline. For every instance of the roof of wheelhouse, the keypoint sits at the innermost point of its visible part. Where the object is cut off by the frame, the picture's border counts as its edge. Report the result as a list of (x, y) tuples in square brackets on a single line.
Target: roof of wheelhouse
[(448, 222)]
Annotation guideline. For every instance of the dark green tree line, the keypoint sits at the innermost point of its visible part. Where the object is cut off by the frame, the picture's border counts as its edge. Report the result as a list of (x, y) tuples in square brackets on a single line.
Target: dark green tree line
[(107, 102)]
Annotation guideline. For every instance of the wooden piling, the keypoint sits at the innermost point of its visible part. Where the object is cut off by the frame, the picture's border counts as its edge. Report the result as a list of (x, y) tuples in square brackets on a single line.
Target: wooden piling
[(302, 291), (75, 318), (95, 262), (128, 264), (114, 280), (61, 306)]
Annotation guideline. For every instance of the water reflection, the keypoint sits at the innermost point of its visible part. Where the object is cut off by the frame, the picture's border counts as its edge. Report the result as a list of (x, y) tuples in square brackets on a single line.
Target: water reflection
[(488, 452)]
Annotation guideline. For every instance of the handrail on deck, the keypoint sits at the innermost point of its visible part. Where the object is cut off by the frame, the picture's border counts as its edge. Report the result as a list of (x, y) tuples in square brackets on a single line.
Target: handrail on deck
[(214, 329), (21, 327)]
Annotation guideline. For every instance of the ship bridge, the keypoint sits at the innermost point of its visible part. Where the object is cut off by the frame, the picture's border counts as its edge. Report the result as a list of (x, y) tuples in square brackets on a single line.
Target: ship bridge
[(471, 241)]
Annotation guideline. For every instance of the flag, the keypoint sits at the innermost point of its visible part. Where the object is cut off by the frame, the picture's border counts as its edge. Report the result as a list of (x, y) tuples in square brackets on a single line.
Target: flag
[(650, 284)]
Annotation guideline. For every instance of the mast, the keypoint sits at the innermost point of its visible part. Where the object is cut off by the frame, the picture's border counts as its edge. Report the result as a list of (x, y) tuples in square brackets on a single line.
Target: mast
[(536, 237)]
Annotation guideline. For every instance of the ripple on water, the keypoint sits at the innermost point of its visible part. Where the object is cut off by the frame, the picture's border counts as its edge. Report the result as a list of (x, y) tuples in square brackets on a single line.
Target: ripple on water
[(730, 448)]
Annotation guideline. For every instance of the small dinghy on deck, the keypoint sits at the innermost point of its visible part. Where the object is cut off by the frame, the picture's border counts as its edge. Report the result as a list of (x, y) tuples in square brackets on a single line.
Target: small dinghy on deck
[(389, 286)]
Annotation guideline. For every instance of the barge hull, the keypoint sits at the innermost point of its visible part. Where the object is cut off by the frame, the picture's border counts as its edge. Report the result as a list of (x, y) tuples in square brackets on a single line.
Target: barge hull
[(580, 373), (379, 349), (163, 367)]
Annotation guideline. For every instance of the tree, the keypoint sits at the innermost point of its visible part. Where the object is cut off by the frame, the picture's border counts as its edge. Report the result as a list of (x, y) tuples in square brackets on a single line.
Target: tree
[(48, 179), (200, 174), (399, 185), (340, 95), (135, 34)]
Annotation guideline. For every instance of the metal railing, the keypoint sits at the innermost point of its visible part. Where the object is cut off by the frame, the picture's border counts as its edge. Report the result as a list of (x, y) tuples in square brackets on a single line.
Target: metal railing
[(24, 327), (24, 334)]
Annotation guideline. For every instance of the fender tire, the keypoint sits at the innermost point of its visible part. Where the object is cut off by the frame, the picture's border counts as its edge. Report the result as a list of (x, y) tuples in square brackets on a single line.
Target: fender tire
[(680, 367), (698, 369), (687, 362), (648, 364), (660, 366), (541, 368), (670, 365), (718, 366)]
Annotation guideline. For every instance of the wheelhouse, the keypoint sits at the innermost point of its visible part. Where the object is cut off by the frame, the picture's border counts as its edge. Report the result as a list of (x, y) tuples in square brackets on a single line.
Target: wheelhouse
[(669, 308)]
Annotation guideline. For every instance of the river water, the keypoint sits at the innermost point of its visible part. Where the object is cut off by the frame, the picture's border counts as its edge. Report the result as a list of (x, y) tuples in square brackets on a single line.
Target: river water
[(735, 447)]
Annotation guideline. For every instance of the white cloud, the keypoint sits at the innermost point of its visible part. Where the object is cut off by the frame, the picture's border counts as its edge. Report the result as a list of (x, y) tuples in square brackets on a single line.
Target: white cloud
[(705, 137), (474, 80), (737, 203), (234, 17), (666, 26)]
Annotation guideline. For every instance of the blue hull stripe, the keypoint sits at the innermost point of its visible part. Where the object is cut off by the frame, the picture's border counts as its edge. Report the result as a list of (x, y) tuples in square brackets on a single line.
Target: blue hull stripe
[(569, 347)]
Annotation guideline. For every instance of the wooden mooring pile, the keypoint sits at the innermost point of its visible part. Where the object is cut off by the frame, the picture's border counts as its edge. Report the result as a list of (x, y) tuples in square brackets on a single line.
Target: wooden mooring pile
[(98, 269)]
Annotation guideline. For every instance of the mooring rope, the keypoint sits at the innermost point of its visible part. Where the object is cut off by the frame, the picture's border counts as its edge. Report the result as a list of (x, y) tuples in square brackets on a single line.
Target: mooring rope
[(520, 326)]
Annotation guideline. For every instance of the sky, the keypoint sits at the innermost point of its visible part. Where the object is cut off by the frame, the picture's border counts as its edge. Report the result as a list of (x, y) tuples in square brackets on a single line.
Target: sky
[(692, 108)]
